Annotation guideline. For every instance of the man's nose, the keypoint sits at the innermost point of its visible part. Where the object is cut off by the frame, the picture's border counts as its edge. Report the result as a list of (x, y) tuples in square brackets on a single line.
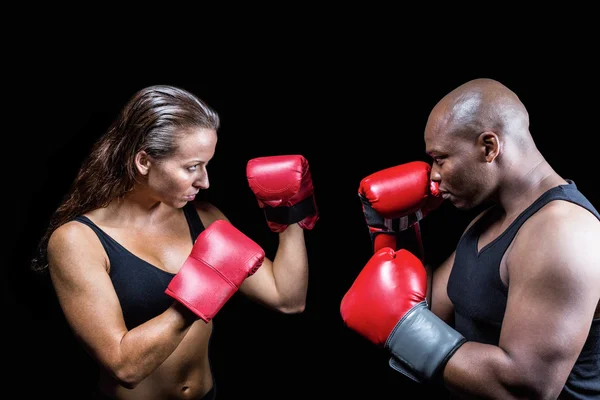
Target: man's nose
[(435, 174)]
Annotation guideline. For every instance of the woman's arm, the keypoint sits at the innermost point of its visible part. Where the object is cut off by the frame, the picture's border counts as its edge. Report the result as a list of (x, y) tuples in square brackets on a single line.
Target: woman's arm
[(78, 268)]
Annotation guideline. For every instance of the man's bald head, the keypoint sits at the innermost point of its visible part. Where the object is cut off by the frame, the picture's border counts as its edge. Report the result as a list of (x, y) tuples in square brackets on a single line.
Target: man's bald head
[(478, 137), (477, 106)]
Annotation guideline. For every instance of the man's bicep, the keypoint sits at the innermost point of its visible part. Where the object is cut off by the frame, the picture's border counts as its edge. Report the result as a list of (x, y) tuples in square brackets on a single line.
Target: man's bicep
[(549, 309)]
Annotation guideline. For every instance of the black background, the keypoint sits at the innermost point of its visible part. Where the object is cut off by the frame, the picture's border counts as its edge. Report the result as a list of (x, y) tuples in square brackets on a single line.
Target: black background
[(351, 107)]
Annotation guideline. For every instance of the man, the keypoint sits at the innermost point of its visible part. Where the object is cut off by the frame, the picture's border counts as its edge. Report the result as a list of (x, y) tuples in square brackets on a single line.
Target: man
[(514, 312)]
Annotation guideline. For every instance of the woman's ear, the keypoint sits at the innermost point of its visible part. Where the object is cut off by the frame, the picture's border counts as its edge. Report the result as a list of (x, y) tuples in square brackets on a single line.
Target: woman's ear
[(490, 143), (142, 162)]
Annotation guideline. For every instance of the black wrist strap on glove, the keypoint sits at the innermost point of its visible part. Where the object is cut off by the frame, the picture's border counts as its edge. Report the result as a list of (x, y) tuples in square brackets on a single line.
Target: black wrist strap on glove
[(403, 228), (421, 344), (290, 215)]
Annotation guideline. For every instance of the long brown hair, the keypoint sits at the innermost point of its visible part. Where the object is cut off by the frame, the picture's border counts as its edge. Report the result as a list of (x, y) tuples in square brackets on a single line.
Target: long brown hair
[(149, 121)]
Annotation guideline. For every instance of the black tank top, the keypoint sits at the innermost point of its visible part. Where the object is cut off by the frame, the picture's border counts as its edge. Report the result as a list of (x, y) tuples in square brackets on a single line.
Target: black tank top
[(480, 304), (140, 286)]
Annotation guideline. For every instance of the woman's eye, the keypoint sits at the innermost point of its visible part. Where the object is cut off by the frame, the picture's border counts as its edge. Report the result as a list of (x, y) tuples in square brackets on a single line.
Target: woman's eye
[(192, 168)]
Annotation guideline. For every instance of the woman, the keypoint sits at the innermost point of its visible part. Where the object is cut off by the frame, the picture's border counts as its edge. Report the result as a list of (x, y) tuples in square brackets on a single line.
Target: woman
[(125, 229)]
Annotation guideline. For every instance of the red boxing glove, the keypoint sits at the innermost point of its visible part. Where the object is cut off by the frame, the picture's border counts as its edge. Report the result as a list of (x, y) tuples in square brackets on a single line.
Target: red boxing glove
[(221, 259), (401, 195), (284, 190), (386, 304)]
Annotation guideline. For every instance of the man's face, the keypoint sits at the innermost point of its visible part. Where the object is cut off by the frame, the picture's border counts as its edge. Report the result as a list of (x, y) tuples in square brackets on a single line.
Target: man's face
[(458, 165)]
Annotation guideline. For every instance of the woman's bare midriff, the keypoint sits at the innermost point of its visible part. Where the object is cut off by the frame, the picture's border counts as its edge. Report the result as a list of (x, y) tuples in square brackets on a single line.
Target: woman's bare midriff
[(185, 374)]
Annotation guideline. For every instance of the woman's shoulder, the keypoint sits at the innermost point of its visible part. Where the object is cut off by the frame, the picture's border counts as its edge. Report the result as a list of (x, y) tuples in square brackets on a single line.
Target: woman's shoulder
[(71, 231), (70, 238), (208, 212)]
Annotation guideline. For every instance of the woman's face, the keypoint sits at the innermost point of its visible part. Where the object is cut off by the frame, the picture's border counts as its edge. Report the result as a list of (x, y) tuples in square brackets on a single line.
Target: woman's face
[(175, 180)]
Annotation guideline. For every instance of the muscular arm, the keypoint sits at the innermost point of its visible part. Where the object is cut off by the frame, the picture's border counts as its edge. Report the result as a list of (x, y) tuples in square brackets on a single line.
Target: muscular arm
[(78, 269), (553, 292), (281, 283)]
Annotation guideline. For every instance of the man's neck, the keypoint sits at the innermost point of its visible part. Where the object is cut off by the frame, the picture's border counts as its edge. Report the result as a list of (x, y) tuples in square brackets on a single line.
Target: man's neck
[(523, 188)]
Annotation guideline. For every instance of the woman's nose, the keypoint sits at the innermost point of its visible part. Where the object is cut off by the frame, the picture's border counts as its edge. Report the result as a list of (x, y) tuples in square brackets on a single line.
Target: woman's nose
[(202, 181)]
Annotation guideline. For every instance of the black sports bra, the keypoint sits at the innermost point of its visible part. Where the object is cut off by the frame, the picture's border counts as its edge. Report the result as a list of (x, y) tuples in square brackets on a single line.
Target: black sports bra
[(140, 286)]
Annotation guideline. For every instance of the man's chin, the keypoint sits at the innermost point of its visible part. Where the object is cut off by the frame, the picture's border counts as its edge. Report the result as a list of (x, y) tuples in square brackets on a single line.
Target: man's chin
[(461, 205)]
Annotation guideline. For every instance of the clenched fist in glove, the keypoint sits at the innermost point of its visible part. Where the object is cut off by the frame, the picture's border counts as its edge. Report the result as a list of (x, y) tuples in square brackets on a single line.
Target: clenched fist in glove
[(284, 190), (221, 259), (396, 198), (386, 305)]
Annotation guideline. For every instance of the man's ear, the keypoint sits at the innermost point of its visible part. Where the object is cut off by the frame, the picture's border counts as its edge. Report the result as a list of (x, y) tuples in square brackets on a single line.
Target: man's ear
[(142, 162), (490, 144)]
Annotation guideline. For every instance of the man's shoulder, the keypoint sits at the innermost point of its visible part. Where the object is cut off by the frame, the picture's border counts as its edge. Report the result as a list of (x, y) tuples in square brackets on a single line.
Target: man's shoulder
[(563, 215), (558, 231)]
